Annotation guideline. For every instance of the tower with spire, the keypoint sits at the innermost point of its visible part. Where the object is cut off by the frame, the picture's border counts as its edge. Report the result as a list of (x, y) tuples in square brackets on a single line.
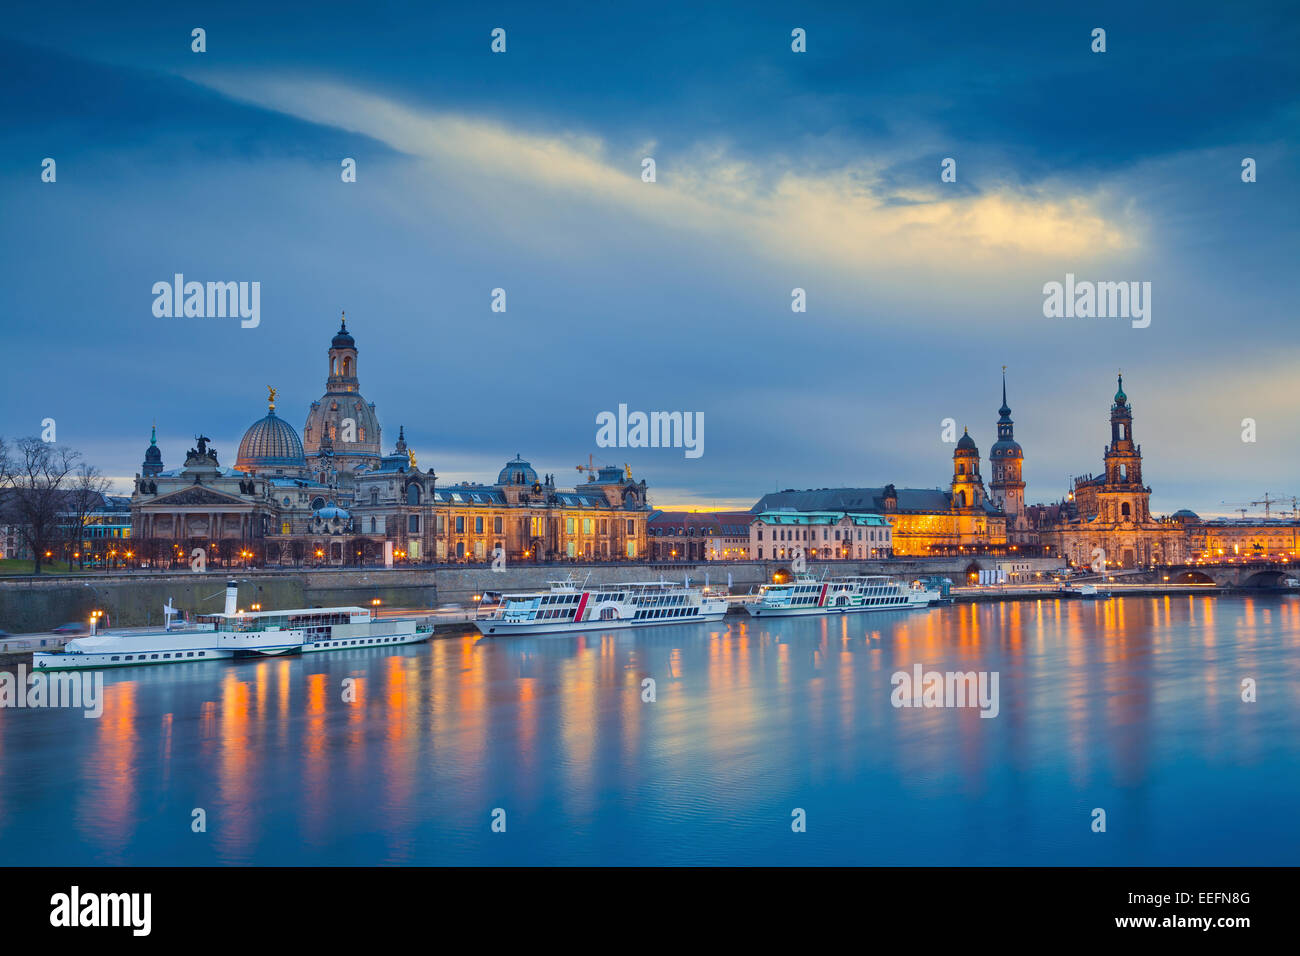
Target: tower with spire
[(342, 435), (1122, 492), (153, 463), (1006, 458)]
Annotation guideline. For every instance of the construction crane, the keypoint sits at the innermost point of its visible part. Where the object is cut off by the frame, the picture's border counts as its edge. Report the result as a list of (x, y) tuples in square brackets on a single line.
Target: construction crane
[(589, 468), (1268, 501)]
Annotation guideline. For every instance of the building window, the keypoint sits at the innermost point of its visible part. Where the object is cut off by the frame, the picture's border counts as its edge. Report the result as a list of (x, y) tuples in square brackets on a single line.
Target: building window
[(478, 524), (460, 524), (497, 526), (413, 524), (412, 494)]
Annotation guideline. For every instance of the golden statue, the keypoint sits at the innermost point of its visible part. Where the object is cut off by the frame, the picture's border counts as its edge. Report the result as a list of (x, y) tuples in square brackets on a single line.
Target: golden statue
[(410, 454), (271, 397), (627, 470)]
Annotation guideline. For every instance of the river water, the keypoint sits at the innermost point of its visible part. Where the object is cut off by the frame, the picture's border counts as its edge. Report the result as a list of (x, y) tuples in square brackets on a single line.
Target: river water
[(768, 744)]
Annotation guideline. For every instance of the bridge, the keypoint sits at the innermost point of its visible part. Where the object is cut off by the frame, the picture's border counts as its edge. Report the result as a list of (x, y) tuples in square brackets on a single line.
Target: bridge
[(1261, 575)]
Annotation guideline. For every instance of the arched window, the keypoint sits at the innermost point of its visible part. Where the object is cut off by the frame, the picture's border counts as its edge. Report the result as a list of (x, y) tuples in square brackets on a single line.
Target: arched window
[(412, 494), (1124, 509), (372, 525), (347, 366), (374, 496)]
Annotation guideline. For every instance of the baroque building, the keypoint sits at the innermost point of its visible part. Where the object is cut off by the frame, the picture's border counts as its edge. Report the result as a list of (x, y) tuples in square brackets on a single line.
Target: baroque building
[(1110, 518), (923, 521), (332, 498), (1006, 458), (341, 436)]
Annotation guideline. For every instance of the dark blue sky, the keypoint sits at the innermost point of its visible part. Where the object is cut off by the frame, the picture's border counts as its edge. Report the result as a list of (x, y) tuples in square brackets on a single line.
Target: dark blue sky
[(775, 170)]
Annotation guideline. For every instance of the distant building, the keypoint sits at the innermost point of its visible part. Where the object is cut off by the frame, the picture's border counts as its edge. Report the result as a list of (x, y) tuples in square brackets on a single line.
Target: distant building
[(1007, 489), (965, 519), (820, 535), (1224, 539), (699, 536), (333, 498), (1110, 513)]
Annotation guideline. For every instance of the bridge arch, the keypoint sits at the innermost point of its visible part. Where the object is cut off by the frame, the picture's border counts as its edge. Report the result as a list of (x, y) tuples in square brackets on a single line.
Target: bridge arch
[(1265, 579), (1192, 577)]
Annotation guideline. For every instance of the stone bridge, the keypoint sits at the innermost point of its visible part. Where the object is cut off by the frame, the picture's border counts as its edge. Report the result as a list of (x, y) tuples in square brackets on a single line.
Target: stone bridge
[(1256, 575)]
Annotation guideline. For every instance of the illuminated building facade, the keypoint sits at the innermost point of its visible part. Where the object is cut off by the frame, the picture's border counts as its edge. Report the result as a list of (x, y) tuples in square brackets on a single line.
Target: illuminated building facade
[(1111, 513), (333, 498), (699, 536), (822, 535), (1231, 539)]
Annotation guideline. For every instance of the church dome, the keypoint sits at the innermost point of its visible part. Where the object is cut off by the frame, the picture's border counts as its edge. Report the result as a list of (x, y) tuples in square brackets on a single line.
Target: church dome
[(966, 443), (270, 442), (517, 472), (1006, 448), (343, 338), (1120, 397)]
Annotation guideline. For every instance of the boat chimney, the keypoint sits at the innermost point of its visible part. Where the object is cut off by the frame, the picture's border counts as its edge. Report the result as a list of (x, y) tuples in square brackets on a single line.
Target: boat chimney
[(232, 597)]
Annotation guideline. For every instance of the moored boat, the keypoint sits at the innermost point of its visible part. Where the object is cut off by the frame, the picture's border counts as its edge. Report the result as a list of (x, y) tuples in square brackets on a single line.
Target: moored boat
[(806, 595), (567, 606), (235, 633)]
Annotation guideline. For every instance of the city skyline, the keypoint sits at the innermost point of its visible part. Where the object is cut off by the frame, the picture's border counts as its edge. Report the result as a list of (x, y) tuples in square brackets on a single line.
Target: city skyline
[(676, 294)]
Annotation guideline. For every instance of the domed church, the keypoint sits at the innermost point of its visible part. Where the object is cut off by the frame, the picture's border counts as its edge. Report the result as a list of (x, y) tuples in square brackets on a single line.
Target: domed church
[(333, 498), (341, 436), (271, 447)]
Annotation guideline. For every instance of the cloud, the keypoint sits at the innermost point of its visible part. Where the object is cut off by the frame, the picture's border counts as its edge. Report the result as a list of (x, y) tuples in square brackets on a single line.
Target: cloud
[(844, 218)]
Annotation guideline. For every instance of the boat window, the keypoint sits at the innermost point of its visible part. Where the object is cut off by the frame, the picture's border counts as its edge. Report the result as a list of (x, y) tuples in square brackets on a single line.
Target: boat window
[(113, 658)]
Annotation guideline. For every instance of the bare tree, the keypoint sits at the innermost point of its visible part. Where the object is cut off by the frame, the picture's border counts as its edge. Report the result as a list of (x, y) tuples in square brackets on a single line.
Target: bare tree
[(87, 487), (36, 481)]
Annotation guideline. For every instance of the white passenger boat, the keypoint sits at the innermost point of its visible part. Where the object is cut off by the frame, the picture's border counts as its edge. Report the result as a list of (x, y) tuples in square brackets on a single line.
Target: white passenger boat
[(568, 606), (806, 595), (236, 633)]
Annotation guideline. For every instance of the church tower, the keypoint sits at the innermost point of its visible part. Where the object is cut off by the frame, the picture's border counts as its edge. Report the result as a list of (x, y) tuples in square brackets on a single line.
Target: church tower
[(341, 435), (967, 485), (1007, 458), (1122, 494)]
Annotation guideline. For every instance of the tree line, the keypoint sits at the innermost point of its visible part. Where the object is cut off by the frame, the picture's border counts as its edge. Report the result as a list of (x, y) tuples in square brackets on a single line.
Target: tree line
[(47, 494)]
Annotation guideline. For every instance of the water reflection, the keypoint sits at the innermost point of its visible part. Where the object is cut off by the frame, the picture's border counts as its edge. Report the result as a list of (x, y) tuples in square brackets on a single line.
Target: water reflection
[(400, 755)]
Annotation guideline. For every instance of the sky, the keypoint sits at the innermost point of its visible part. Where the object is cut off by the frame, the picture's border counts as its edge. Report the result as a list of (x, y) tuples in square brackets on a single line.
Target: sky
[(774, 170)]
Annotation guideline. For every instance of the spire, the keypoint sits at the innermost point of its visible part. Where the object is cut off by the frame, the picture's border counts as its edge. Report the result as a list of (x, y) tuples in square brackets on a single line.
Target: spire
[(343, 320), (1005, 410), (1120, 397), (153, 434)]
